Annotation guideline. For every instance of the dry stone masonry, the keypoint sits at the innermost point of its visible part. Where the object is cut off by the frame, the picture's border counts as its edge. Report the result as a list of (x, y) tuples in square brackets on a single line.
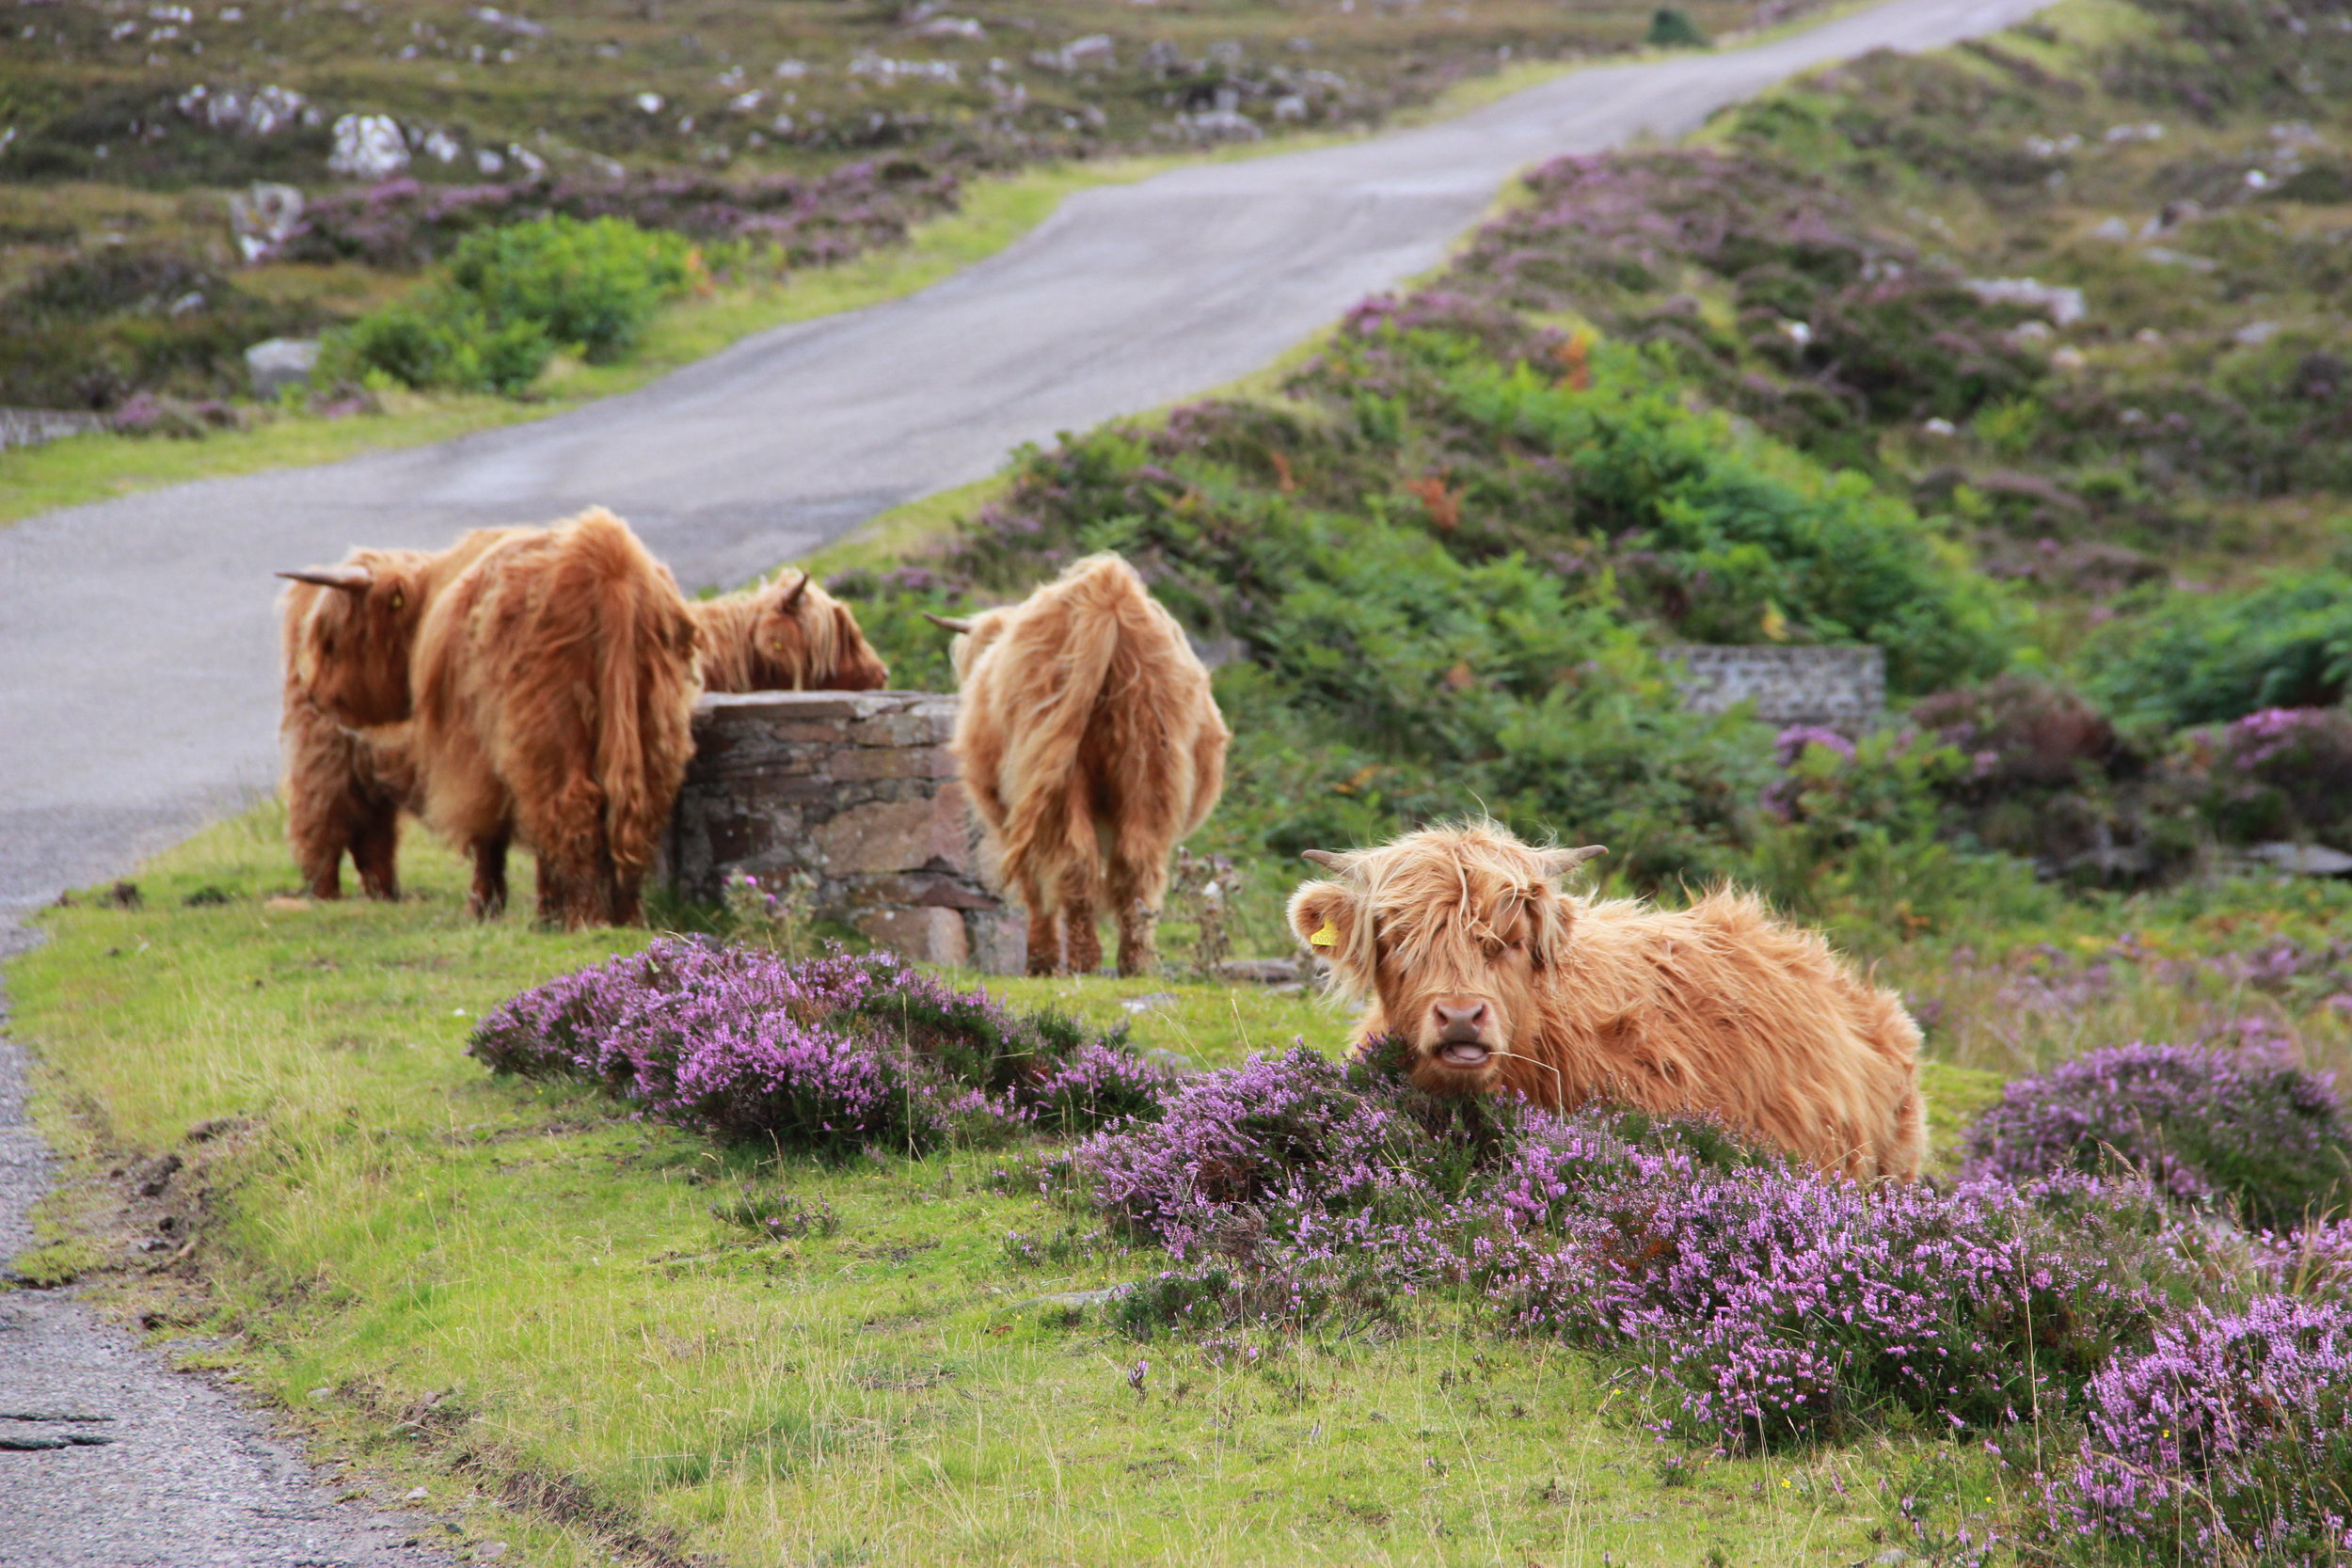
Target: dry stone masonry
[(1839, 688), (857, 790)]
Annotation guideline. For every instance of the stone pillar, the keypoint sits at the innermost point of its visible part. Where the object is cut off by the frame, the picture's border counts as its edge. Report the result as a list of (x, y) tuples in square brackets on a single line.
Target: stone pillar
[(857, 790)]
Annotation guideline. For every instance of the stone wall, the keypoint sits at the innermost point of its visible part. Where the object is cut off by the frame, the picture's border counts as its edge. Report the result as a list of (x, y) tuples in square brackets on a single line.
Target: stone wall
[(857, 790), (1839, 688)]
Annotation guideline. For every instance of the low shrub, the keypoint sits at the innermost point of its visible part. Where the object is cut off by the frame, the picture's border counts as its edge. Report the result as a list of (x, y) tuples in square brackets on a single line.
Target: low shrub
[(2228, 1439), (98, 330), (2206, 1125), (2210, 658), (808, 219), (512, 297), (831, 1056), (2277, 773), (1769, 1304)]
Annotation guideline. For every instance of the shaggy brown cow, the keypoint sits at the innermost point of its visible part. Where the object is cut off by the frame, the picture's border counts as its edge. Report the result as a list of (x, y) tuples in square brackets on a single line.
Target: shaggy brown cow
[(785, 636), (346, 634), (554, 681), (1090, 746), (1493, 976)]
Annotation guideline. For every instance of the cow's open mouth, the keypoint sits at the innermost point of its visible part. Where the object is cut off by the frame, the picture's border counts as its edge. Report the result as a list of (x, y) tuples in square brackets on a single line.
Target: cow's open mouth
[(1463, 1053)]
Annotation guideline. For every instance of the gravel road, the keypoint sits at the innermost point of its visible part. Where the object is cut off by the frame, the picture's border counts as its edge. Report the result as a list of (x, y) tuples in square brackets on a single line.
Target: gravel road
[(138, 697)]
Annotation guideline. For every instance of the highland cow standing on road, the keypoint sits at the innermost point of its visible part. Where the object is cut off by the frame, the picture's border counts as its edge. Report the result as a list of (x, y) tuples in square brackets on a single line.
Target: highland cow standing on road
[(1493, 977), (555, 684), (1090, 746), (785, 636), (347, 631)]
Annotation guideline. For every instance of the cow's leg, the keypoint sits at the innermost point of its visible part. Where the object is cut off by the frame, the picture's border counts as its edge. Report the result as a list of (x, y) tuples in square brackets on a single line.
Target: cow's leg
[(1079, 938), (489, 899), (565, 829), (376, 850), (1044, 931), (1135, 894)]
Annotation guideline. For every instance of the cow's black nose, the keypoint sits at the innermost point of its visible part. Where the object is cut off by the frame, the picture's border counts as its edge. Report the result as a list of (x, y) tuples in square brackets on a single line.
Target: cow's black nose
[(1462, 1022)]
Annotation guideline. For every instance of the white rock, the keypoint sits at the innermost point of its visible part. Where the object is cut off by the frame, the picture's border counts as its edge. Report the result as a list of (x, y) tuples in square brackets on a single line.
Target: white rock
[(1290, 106), (1214, 125), (368, 147), (532, 163), (441, 146), (2062, 304), (745, 103), (2163, 257), (792, 70), (2112, 229), (2256, 180), (488, 161), (262, 218), (521, 26), (280, 362), (2255, 333), (2302, 860), (648, 103), (2069, 358), (1939, 427), (951, 27)]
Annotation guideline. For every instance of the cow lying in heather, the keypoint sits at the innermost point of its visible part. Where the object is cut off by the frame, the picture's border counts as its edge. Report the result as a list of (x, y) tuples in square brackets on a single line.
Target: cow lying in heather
[(346, 632), (785, 636), (546, 678), (1465, 948), (1090, 745)]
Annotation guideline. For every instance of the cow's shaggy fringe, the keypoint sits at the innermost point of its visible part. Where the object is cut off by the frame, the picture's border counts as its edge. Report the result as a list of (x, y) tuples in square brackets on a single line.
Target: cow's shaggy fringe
[(789, 635), (1716, 1008), (1090, 745), (555, 682), (829, 1055)]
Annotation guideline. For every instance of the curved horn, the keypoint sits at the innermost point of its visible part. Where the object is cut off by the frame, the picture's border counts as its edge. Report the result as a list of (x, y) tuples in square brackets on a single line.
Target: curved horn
[(1559, 862), (350, 579), (799, 590), (1331, 860), (948, 623)]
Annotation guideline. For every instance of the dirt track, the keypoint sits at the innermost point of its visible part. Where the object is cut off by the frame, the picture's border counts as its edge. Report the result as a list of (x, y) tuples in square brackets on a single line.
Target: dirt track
[(137, 691)]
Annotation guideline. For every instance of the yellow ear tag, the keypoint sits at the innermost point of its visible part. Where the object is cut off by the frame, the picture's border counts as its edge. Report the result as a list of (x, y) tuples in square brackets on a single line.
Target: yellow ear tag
[(400, 599), (1328, 937)]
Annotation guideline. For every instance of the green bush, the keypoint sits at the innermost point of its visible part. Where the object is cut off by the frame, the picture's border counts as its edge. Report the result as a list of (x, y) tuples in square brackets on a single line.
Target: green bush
[(512, 297), (2204, 658)]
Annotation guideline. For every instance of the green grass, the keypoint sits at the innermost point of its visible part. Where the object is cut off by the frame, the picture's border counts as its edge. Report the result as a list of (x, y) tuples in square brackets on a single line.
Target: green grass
[(517, 1297)]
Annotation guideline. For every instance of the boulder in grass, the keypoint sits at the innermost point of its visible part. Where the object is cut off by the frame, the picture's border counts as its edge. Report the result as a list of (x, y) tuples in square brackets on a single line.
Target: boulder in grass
[(280, 362)]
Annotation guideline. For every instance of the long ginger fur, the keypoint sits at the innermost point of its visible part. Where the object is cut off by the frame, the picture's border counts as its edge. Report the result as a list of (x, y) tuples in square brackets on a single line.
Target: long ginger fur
[(554, 682), (1090, 746), (789, 635), (347, 773), (1719, 1007)]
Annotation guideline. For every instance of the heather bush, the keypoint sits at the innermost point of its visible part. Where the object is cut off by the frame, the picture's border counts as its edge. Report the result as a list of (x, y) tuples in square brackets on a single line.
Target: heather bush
[(2228, 1439), (97, 330), (1770, 1306), (833, 1055), (2277, 773), (2207, 1125)]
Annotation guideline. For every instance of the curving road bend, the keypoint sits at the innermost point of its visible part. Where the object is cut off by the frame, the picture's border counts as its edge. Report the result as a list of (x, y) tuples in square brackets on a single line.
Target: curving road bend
[(137, 684)]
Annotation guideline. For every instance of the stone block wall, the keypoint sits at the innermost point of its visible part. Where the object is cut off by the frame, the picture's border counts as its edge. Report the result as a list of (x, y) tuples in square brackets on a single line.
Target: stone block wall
[(857, 790), (1839, 688)]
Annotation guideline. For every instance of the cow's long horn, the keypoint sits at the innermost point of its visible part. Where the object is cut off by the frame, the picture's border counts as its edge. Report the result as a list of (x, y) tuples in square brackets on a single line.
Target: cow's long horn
[(1331, 860), (350, 579), (799, 590), (1559, 862), (948, 623)]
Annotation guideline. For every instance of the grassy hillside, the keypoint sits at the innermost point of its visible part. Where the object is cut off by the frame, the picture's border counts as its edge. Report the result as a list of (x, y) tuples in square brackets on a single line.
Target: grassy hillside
[(1785, 385)]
